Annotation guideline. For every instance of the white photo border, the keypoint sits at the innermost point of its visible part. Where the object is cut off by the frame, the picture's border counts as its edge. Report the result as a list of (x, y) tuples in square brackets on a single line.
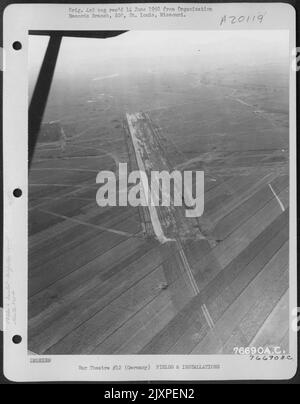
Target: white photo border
[(19, 19)]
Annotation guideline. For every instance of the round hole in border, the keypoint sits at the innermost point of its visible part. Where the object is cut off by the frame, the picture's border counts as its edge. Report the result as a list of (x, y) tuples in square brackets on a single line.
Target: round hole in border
[(17, 45), (17, 339), (17, 193)]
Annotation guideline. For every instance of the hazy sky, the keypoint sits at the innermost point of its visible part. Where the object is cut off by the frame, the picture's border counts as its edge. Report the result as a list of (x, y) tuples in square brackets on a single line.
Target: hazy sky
[(213, 47)]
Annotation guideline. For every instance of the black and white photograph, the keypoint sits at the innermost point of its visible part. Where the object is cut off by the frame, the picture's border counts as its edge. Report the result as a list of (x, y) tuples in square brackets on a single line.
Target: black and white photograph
[(137, 279), (159, 193)]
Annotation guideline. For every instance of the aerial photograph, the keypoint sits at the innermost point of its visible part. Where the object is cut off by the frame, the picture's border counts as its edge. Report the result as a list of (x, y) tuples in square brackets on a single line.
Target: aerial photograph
[(207, 272)]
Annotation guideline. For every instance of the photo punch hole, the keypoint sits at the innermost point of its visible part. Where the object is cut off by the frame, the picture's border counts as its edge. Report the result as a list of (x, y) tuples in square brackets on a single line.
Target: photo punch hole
[(17, 339), (17, 45), (17, 192)]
